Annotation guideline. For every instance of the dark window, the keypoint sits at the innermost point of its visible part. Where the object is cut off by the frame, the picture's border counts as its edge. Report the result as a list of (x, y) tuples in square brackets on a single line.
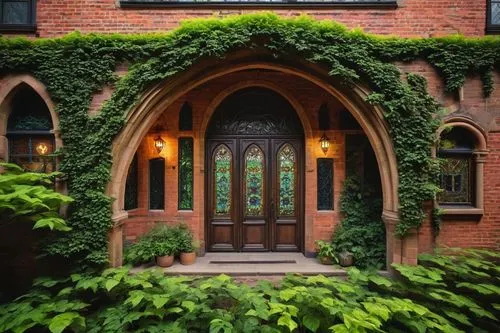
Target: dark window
[(185, 173), (456, 178), (186, 118), (131, 201), (493, 16), (156, 183), (29, 131), (289, 3), (323, 118), (325, 183), (17, 15)]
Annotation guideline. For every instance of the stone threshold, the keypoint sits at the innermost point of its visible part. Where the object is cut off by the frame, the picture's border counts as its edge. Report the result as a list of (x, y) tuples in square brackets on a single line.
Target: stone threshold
[(253, 264)]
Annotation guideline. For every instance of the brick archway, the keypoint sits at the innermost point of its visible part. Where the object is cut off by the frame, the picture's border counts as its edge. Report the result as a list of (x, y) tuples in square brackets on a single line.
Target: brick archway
[(142, 117)]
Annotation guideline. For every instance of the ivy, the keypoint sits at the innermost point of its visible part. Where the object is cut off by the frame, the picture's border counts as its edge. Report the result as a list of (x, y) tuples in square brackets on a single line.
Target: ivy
[(76, 66)]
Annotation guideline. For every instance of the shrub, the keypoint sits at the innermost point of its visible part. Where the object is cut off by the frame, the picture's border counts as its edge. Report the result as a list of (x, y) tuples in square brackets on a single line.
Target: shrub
[(362, 231), (445, 294)]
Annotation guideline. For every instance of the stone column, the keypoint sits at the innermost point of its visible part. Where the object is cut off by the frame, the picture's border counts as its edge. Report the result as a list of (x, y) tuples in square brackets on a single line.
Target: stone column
[(393, 242), (480, 159), (115, 240), (4, 148)]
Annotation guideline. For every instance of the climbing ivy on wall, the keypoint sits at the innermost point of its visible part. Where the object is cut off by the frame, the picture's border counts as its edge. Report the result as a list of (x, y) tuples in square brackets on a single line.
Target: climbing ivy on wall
[(76, 66)]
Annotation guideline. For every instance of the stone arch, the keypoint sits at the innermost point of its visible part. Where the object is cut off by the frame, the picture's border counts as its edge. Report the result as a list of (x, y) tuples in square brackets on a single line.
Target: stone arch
[(158, 98), (8, 86), (468, 124)]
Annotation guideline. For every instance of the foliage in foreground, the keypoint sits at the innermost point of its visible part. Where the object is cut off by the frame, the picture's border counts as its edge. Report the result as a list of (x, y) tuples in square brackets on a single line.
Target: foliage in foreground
[(27, 196), (444, 294)]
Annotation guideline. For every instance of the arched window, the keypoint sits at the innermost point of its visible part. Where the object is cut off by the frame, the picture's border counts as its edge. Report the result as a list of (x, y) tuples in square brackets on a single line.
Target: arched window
[(157, 183), (131, 194), (30, 132), (462, 151), (186, 118)]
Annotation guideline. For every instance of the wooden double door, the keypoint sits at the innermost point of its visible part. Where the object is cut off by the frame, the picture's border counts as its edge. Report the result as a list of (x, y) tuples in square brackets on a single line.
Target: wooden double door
[(254, 194)]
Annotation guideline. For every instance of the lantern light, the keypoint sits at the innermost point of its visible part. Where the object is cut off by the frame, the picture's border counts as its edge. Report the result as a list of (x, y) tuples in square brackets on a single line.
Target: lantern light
[(159, 144), (42, 148), (324, 143)]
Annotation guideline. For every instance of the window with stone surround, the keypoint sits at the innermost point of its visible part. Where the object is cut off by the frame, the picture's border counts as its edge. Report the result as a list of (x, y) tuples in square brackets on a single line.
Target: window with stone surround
[(260, 3), (462, 151), (493, 16), (17, 15)]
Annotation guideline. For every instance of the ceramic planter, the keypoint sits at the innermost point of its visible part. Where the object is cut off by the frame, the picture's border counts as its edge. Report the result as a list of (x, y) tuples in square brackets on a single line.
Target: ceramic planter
[(346, 259), (326, 260), (188, 258), (165, 261)]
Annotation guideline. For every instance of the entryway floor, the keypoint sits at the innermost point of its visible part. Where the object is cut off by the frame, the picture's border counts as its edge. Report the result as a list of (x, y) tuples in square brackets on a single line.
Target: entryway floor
[(248, 264)]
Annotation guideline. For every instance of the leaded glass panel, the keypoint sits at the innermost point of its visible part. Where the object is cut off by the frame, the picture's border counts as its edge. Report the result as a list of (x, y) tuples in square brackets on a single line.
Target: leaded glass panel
[(325, 183), (156, 183), (15, 12), (254, 181), (495, 12), (287, 178), (222, 180), (185, 173), (455, 181), (131, 201)]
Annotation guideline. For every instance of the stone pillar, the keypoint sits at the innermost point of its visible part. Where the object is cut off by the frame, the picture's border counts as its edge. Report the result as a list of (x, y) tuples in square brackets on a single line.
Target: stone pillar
[(393, 242), (480, 159), (410, 248), (115, 240), (4, 148)]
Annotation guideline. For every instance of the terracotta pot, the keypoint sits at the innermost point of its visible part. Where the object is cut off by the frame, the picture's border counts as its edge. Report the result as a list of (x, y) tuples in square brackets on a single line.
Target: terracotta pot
[(346, 259), (326, 260), (165, 261), (188, 258)]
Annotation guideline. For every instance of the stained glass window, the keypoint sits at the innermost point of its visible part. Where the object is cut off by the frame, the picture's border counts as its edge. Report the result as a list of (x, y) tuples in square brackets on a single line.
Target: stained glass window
[(456, 181), (254, 181), (286, 173), (186, 118), (131, 185), (185, 173), (156, 183), (222, 180), (325, 183)]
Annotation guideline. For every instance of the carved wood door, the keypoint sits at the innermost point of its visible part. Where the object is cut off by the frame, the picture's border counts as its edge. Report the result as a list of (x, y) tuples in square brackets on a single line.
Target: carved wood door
[(255, 194), (254, 174)]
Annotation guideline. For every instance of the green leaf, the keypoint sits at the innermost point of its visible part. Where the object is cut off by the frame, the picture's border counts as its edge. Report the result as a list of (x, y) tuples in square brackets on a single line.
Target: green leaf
[(189, 305), (311, 322), (287, 321), (110, 284), (160, 300), (60, 322)]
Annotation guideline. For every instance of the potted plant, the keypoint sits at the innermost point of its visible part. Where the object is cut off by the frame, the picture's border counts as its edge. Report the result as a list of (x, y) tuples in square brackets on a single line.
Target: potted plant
[(185, 245), (164, 254), (326, 253), (346, 258)]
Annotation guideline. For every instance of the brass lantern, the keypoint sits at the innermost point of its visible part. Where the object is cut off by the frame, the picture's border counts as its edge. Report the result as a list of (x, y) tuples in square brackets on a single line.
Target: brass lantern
[(324, 143), (42, 149), (159, 144)]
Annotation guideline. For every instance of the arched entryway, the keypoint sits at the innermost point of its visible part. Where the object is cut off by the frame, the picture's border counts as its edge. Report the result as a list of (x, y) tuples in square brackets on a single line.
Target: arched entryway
[(194, 87), (254, 154)]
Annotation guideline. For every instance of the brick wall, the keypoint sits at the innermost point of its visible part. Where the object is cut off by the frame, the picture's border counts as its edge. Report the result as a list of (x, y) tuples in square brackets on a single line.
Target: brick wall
[(412, 18)]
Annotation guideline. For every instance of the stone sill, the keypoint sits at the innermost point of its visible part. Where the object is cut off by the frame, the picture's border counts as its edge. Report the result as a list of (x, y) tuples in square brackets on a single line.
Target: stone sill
[(462, 211)]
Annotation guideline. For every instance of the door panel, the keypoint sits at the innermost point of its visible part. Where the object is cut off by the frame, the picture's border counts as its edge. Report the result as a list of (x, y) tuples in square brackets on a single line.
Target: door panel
[(222, 228), (254, 194), (254, 175), (287, 168)]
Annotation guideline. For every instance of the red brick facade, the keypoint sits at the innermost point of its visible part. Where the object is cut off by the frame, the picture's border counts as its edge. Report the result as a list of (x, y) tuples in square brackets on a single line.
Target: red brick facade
[(411, 18)]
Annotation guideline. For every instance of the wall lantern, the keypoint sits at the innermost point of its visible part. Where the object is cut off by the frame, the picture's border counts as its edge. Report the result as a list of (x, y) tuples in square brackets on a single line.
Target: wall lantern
[(324, 143), (42, 149), (159, 144)]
